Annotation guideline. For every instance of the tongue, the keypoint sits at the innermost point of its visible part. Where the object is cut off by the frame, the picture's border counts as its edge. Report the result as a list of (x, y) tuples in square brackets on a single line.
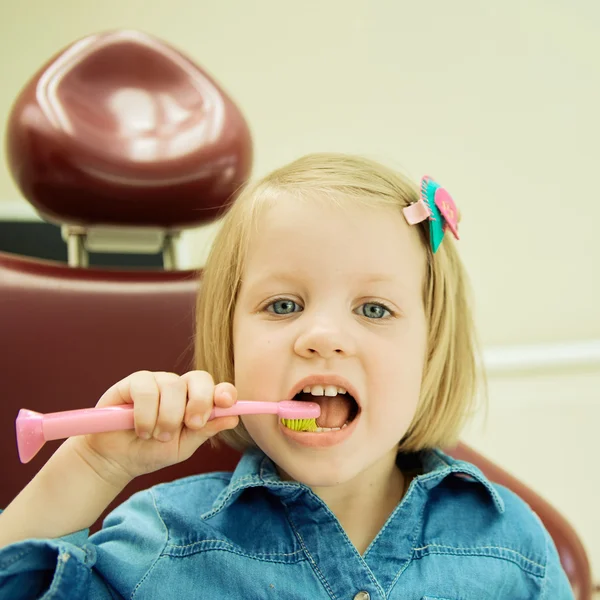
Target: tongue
[(335, 410)]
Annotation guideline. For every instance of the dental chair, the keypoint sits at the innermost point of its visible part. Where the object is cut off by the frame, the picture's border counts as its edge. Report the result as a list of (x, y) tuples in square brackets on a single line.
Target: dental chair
[(125, 143)]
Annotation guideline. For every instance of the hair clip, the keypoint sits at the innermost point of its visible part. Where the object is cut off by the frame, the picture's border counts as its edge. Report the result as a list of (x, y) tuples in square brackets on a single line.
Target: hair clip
[(436, 205)]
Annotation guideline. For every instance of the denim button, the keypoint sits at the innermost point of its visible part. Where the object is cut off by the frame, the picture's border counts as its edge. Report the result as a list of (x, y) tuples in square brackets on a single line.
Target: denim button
[(362, 596)]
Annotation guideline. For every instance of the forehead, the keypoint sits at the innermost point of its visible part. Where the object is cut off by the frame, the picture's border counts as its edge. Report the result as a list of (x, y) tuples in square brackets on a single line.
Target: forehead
[(342, 238)]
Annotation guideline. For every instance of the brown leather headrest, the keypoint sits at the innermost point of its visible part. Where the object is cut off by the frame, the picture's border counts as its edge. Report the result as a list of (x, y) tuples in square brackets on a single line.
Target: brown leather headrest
[(121, 129)]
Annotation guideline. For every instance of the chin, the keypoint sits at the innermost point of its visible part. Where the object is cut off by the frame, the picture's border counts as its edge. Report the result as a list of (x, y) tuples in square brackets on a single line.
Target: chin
[(316, 473)]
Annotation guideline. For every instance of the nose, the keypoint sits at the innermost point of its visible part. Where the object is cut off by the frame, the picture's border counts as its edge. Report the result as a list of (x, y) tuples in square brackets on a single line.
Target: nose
[(324, 337)]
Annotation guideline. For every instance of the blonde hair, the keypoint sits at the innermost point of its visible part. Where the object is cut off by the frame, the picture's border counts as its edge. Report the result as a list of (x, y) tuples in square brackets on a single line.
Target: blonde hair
[(451, 376)]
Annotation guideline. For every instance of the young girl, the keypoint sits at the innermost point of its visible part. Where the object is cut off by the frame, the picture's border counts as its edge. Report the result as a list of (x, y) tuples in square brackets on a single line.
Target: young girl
[(318, 287)]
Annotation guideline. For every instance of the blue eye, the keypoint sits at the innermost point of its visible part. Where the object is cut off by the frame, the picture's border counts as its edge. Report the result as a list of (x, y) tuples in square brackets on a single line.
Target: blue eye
[(373, 310), (283, 307)]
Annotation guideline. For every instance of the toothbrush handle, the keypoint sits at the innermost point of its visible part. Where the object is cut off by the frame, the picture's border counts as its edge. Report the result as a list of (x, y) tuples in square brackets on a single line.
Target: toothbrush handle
[(64, 424), (60, 425), (246, 407)]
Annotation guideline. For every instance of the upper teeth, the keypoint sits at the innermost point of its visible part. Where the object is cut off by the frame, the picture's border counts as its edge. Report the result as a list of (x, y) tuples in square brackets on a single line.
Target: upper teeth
[(319, 390)]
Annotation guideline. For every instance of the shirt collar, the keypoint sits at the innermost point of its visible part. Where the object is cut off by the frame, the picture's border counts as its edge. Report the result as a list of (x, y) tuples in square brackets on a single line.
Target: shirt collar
[(255, 469), (437, 466)]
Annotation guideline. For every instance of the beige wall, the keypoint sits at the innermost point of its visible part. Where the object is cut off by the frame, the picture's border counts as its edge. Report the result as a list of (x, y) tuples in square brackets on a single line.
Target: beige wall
[(498, 100)]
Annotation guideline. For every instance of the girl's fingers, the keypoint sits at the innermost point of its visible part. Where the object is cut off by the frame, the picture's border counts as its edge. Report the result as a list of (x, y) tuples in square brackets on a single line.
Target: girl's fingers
[(200, 391), (225, 395), (162, 402), (171, 409), (144, 393), (221, 424)]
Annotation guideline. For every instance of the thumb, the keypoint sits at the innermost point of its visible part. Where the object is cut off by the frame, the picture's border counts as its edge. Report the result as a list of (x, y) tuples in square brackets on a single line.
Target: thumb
[(192, 439)]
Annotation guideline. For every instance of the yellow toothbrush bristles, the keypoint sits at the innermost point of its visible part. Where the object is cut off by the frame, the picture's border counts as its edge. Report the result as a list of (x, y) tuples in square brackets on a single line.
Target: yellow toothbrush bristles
[(300, 424)]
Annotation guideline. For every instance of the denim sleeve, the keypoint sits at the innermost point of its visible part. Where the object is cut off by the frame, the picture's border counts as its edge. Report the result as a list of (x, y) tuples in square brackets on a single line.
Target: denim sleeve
[(106, 565), (53, 568), (556, 584)]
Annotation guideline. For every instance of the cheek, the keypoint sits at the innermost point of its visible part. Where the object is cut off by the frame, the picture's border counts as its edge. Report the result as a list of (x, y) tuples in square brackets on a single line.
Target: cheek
[(400, 386), (253, 339), (241, 353), (394, 402), (254, 358), (398, 370)]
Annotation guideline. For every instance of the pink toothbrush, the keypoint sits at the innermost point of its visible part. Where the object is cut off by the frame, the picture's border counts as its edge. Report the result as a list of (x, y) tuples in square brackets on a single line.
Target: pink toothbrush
[(35, 429)]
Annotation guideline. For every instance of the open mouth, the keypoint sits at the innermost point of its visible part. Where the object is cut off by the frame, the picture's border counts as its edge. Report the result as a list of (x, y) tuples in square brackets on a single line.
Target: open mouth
[(337, 410)]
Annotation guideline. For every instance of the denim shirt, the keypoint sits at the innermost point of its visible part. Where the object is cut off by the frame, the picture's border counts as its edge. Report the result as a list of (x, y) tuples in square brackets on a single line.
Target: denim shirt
[(250, 535)]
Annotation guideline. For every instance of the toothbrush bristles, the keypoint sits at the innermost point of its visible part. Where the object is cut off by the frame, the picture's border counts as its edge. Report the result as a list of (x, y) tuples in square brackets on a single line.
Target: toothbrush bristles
[(300, 424)]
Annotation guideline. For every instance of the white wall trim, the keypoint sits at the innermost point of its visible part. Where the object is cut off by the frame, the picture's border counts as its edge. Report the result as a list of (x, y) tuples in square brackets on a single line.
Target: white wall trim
[(534, 357)]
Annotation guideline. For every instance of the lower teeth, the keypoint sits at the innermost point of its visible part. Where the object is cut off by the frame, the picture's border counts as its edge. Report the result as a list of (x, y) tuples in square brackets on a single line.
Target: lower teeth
[(324, 429)]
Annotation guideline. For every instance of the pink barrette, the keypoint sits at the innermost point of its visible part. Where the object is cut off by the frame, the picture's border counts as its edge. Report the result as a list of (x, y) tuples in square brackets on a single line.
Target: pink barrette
[(436, 205)]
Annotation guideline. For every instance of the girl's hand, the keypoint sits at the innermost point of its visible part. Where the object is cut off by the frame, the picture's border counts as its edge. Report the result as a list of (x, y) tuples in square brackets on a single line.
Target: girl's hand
[(170, 415)]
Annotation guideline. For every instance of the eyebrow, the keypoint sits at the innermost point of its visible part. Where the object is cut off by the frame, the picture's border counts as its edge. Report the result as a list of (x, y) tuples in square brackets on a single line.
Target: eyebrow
[(291, 277), (377, 278)]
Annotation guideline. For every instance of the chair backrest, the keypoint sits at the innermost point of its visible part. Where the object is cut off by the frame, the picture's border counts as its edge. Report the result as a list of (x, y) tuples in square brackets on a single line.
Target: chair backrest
[(69, 333), (121, 130)]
